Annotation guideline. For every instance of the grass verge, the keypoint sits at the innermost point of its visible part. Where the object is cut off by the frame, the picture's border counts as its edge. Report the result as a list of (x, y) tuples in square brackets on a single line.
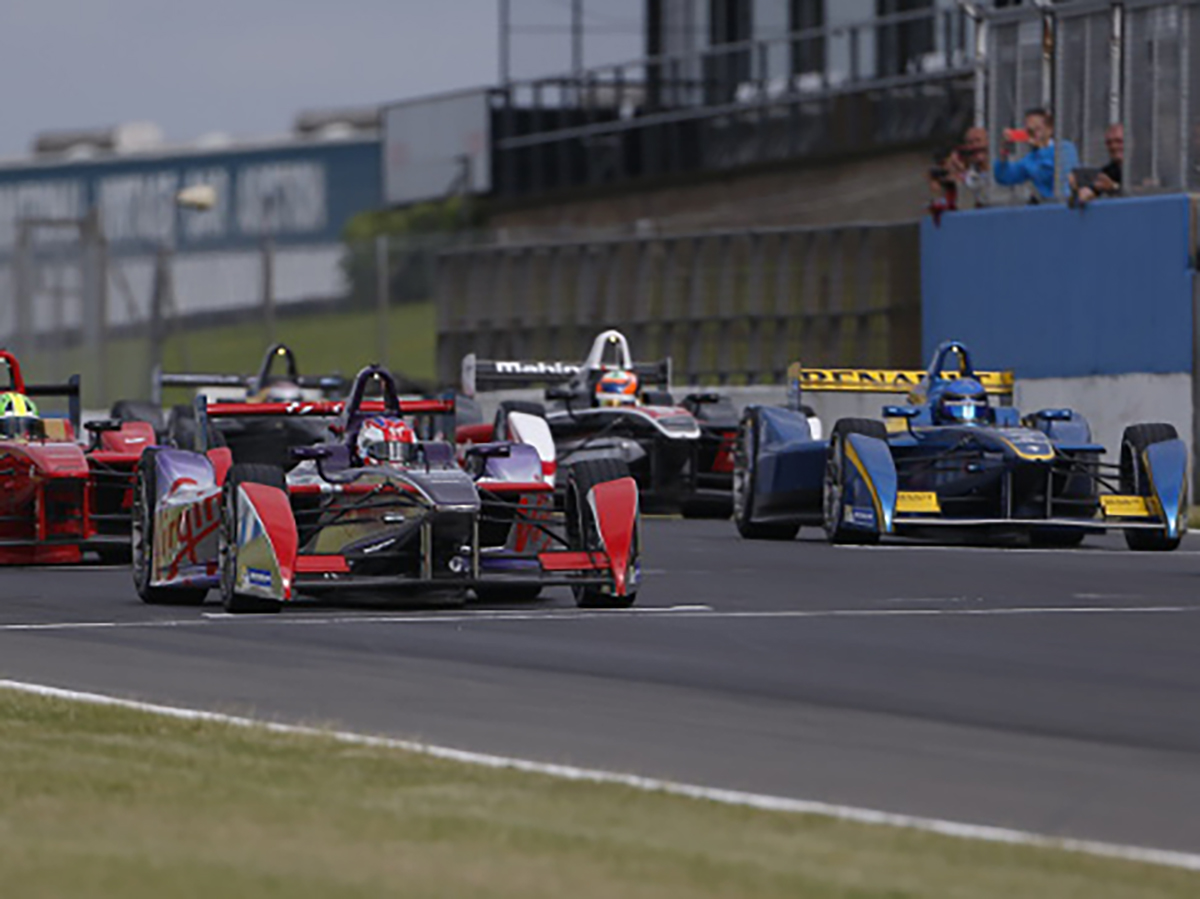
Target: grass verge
[(324, 343), (100, 801)]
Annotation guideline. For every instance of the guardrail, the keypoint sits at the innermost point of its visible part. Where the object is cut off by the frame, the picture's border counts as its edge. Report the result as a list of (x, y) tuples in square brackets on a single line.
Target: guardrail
[(890, 79), (728, 306)]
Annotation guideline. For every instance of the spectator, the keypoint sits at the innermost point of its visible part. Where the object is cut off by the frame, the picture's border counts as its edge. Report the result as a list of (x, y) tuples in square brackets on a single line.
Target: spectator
[(1036, 166), (1107, 182), (943, 187), (970, 164)]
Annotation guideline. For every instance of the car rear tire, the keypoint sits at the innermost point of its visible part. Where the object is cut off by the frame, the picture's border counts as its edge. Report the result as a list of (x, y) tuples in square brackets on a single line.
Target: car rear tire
[(582, 531), (1135, 481), (242, 473), (145, 493), (835, 479), (745, 455)]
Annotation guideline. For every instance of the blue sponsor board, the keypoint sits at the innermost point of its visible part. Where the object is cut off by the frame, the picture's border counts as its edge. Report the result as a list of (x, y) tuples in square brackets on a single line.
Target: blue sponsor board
[(1055, 292), (297, 192)]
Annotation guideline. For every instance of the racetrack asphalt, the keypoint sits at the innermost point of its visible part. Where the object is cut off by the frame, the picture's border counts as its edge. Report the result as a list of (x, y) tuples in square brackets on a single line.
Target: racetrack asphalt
[(1051, 691)]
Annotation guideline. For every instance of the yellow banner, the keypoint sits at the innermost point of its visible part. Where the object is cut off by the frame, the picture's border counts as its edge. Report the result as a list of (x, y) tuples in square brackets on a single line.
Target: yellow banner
[(881, 380), (917, 501), (1116, 506)]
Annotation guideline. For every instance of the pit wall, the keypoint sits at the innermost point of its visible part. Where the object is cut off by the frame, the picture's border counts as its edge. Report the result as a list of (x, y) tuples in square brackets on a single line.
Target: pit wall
[(1092, 308)]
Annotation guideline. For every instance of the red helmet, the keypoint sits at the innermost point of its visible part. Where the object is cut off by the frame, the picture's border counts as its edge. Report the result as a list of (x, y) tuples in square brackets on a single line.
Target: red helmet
[(384, 441)]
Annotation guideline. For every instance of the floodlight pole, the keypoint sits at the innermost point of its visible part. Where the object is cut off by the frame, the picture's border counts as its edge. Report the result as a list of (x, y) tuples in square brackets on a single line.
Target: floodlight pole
[(505, 33)]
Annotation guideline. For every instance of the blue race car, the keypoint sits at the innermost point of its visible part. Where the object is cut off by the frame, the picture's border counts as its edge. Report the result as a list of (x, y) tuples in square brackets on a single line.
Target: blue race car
[(953, 459)]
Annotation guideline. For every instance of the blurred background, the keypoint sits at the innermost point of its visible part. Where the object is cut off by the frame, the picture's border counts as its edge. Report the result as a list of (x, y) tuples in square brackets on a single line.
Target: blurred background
[(737, 183)]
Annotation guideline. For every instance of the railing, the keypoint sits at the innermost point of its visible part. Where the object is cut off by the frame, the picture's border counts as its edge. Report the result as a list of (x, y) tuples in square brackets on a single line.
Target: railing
[(728, 306), (1097, 63), (814, 91)]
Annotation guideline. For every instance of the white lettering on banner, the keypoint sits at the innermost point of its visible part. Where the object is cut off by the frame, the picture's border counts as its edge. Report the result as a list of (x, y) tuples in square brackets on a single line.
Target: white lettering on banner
[(39, 199), (139, 207), (207, 224), (281, 198)]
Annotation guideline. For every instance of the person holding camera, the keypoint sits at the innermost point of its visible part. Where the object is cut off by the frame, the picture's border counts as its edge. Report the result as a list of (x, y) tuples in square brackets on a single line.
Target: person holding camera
[(1036, 166), (1088, 184)]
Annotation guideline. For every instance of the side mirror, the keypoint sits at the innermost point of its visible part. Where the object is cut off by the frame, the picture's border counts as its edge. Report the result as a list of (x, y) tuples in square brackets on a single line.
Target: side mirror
[(107, 424), (901, 411), (559, 392)]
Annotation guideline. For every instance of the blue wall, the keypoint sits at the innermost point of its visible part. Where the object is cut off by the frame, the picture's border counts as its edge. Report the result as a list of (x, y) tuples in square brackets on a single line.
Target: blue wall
[(299, 192), (1056, 292)]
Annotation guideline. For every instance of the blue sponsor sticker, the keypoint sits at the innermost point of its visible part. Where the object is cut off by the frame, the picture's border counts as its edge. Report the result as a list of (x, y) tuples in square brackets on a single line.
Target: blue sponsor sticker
[(258, 577), (863, 517)]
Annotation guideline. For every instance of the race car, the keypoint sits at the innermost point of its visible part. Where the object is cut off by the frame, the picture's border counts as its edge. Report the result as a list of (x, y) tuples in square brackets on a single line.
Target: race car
[(378, 509), (951, 459), (610, 407), (60, 498)]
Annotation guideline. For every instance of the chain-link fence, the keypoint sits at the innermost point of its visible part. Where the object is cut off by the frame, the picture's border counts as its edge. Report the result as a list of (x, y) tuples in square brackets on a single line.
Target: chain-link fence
[(1097, 63), (727, 306), (70, 304)]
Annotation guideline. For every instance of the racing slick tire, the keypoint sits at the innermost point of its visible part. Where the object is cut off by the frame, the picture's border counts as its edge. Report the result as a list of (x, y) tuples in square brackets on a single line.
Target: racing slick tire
[(242, 473), (745, 450), (145, 491), (1135, 481), (582, 533), (835, 467)]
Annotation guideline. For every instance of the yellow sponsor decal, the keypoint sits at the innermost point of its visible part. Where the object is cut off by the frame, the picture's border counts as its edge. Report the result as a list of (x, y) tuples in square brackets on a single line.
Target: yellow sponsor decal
[(915, 501), (1116, 506), (896, 424), (880, 380)]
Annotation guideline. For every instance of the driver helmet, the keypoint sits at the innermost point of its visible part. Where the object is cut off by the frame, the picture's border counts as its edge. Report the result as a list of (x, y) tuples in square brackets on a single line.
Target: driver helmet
[(19, 416), (385, 441), (963, 401), (617, 388), (282, 392)]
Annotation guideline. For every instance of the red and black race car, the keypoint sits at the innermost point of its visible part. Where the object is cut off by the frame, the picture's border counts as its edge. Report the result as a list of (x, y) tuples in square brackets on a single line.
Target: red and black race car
[(59, 497)]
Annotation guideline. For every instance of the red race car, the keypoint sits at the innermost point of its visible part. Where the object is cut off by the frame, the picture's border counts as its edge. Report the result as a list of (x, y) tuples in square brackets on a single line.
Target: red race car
[(59, 497)]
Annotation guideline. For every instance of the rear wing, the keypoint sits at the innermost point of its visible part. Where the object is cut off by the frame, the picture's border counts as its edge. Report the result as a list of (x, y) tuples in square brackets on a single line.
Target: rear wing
[(484, 374), (160, 379), (317, 408), (872, 380), (425, 409)]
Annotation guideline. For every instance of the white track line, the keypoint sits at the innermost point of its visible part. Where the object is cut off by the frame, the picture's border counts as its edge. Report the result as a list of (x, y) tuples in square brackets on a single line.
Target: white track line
[(694, 612), (1083, 553), (1189, 861)]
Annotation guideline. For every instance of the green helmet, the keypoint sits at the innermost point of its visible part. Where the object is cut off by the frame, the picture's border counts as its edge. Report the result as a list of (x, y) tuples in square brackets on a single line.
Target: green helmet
[(18, 416)]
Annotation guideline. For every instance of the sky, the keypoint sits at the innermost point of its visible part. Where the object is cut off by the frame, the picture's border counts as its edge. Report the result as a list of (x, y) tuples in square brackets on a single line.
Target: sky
[(246, 67)]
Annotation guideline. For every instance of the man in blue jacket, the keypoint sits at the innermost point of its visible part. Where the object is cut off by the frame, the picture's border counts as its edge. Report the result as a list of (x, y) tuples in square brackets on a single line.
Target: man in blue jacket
[(1037, 166)]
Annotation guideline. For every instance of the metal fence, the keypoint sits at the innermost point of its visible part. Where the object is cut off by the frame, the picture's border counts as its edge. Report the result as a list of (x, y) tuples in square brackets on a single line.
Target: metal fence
[(728, 307), (1102, 62), (70, 304), (892, 79)]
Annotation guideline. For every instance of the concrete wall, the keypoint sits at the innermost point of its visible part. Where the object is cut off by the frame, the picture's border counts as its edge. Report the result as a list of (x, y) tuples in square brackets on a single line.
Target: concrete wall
[(1112, 402), (885, 188)]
